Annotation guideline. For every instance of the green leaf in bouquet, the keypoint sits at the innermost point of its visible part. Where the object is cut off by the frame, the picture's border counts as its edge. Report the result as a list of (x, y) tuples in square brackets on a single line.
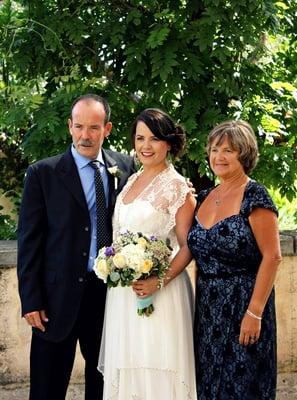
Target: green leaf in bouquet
[(110, 283), (115, 276), (147, 311), (126, 273)]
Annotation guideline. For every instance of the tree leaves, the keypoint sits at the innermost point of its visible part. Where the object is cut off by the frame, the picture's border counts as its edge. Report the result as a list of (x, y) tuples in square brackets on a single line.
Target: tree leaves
[(202, 62), (157, 36)]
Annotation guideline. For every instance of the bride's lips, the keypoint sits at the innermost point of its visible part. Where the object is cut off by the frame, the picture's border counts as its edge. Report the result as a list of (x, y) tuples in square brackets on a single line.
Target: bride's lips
[(146, 154)]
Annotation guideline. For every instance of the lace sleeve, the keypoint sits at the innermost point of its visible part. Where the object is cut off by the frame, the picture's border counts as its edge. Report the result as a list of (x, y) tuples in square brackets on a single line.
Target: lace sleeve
[(177, 194), (168, 195), (257, 197)]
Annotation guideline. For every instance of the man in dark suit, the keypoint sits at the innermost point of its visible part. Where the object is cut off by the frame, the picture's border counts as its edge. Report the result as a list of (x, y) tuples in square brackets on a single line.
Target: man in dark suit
[(61, 297)]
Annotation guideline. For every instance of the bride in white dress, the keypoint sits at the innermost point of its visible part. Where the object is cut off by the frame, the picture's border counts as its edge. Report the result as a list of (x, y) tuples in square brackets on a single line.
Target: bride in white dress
[(152, 358)]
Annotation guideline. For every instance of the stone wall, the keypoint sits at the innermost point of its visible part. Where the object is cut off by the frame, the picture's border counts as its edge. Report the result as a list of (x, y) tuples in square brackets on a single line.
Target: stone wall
[(15, 333), (286, 304)]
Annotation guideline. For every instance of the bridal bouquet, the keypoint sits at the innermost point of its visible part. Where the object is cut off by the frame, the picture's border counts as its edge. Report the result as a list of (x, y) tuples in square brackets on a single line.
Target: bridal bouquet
[(131, 257)]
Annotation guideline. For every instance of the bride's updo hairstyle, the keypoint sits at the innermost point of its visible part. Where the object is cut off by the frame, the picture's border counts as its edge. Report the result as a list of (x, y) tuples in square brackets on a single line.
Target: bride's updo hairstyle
[(241, 138), (163, 127)]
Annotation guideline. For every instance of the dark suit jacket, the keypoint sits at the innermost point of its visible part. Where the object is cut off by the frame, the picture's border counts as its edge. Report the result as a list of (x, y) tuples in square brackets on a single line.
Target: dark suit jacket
[(54, 239)]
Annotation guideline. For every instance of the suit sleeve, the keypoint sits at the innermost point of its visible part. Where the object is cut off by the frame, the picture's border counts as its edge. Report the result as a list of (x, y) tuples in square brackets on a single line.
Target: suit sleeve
[(31, 242), (131, 166)]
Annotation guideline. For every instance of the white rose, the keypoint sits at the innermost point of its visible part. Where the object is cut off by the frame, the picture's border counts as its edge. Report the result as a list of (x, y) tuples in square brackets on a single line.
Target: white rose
[(101, 269), (101, 253), (146, 266), (134, 255), (142, 242), (119, 260)]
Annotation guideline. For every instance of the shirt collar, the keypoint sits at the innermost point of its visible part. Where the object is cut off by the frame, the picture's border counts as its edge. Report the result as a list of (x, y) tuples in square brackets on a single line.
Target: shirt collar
[(82, 161)]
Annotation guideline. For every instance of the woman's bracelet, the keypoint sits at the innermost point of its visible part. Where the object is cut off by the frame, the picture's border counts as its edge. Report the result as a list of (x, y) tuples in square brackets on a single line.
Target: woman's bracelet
[(162, 280), (160, 283), (253, 315)]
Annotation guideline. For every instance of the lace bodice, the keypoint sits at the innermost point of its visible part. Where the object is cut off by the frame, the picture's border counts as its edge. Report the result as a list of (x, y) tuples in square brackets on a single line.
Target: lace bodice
[(153, 211)]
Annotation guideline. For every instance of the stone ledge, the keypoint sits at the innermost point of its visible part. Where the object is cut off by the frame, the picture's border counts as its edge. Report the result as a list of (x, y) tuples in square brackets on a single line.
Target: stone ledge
[(8, 248), (289, 243), (8, 253)]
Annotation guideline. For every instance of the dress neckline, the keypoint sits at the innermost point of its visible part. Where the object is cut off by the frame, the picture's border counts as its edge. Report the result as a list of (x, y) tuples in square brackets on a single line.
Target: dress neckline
[(135, 176), (226, 218)]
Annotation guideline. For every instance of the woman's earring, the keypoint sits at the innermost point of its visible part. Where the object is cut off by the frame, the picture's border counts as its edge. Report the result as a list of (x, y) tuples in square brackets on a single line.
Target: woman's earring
[(136, 159)]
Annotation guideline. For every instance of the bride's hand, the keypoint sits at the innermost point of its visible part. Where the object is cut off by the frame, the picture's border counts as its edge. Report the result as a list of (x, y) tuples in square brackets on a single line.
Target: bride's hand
[(145, 287)]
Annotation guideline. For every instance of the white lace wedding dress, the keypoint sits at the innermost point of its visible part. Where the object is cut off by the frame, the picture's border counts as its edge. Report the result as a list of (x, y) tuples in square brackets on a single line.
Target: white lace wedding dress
[(150, 358)]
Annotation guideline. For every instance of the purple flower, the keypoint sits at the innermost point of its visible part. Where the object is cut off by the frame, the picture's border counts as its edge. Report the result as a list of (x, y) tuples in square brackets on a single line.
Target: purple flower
[(109, 251), (153, 238)]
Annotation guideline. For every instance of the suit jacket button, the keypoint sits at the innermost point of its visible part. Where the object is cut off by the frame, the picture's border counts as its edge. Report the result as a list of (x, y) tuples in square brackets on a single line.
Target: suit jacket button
[(86, 228), (84, 253), (80, 279)]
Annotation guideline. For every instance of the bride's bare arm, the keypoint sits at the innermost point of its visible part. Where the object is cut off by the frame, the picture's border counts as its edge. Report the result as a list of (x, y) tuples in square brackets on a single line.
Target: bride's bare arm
[(184, 220)]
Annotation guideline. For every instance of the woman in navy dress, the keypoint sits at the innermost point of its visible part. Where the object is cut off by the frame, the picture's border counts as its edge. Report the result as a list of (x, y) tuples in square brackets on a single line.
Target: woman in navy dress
[(235, 242)]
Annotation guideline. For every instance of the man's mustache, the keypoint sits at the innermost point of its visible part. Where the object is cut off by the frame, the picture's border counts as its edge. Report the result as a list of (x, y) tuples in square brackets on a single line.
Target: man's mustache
[(85, 142)]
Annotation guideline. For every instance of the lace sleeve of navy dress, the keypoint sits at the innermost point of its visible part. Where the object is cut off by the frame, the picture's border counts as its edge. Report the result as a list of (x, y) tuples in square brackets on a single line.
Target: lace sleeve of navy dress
[(256, 196)]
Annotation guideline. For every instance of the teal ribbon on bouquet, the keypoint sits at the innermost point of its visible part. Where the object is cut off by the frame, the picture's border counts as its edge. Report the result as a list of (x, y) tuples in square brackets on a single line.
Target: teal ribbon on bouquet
[(145, 305)]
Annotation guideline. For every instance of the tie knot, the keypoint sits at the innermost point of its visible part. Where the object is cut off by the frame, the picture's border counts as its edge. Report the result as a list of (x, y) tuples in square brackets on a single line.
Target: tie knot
[(94, 164)]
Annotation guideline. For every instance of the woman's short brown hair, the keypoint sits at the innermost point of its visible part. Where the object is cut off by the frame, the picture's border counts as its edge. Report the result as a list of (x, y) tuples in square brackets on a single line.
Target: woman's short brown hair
[(241, 138)]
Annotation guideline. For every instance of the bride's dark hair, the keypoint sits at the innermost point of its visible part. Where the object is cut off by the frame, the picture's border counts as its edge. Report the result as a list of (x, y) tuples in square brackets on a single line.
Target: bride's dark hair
[(163, 127)]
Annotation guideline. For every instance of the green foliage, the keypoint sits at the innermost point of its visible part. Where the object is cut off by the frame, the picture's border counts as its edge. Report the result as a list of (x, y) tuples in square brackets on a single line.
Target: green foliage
[(287, 210), (203, 62), (7, 227)]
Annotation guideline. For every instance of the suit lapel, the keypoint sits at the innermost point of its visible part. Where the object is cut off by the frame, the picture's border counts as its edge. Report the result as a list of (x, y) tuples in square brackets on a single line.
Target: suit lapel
[(110, 162), (67, 171)]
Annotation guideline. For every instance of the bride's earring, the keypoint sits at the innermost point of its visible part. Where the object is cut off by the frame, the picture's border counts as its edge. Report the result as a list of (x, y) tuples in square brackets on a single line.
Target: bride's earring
[(136, 159), (169, 155)]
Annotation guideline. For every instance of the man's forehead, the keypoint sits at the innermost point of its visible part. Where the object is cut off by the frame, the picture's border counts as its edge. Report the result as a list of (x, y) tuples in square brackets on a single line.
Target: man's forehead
[(88, 107)]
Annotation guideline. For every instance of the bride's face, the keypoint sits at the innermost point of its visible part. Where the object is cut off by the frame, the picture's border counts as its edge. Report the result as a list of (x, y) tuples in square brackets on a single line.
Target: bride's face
[(150, 150)]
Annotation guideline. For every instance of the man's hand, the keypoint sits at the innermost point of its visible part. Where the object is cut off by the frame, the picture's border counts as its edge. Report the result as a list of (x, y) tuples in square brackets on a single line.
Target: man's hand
[(36, 319)]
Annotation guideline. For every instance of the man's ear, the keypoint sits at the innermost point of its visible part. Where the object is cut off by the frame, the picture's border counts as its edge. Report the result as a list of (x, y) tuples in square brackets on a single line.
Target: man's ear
[(108, 128), (70, 125)]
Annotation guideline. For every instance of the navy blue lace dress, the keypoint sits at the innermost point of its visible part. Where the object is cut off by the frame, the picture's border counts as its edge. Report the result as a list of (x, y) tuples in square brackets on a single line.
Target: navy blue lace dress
[(228, 259)]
